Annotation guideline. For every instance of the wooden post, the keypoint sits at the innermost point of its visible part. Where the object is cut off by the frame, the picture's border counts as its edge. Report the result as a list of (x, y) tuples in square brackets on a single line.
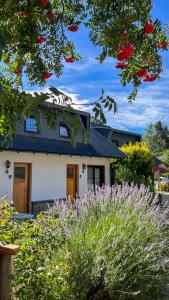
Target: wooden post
[(6, 252)]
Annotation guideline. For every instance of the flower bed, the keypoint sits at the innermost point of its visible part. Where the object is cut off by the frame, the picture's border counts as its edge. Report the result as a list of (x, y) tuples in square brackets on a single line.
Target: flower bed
[(110, 244)]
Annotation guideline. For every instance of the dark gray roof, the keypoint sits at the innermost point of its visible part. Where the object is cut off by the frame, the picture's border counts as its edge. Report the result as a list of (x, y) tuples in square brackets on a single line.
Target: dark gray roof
[(105, 130), (98, 146)]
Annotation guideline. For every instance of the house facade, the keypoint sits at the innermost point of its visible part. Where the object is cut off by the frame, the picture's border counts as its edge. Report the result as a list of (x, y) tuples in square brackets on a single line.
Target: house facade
[(115, 136), (41, 165)]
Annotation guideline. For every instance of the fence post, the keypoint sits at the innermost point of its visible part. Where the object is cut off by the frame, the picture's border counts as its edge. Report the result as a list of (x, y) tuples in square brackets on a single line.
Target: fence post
[(6, 252)]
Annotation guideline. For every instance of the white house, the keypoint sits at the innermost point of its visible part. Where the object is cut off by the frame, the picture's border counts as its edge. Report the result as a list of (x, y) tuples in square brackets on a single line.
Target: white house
[(42, 165)]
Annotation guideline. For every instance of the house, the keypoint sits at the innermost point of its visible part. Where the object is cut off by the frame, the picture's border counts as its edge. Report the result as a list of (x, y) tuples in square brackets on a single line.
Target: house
[(42, 165), (115, 136)]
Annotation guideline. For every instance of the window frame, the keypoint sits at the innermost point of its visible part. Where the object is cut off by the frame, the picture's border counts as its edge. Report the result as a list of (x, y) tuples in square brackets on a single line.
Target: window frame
[(30, 131), (102, 175), (68, 131)]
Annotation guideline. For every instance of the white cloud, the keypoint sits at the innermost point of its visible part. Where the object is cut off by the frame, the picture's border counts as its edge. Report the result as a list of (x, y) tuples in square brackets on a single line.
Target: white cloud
[(151, 104), (88, 63)]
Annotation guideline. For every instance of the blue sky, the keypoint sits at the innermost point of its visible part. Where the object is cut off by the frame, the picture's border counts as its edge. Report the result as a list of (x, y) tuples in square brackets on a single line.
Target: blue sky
[(84, 80)]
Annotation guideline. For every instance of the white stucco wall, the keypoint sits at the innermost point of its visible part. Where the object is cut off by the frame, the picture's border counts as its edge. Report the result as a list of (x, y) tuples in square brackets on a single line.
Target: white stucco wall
[(48, 173)]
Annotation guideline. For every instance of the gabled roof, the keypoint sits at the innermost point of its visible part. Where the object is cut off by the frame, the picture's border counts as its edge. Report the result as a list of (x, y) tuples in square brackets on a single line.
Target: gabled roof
[(98, 146), (106, 130)]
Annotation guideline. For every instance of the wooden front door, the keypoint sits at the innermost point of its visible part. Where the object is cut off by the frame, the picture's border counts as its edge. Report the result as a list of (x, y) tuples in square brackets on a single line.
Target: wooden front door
[(71, 181), (21, 187)]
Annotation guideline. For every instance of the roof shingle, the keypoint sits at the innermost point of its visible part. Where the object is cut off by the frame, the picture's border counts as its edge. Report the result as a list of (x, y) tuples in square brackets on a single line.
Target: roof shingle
[(98, 146)]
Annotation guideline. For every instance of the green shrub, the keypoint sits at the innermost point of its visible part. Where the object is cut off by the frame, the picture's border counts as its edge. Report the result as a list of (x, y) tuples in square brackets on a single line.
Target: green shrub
[(7, 226), (112, 244), (137, 167)]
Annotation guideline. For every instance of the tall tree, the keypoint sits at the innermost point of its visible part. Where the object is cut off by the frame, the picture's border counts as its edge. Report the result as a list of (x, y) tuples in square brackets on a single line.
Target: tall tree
[(157, 137), (34, 44)]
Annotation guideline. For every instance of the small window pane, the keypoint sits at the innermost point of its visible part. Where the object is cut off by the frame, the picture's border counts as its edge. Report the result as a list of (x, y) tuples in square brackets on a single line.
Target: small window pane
[(69, 172), (63, 130), (31, 125), (97, 173), (90, 172), (94, 176), (19, 172), (97, 181)]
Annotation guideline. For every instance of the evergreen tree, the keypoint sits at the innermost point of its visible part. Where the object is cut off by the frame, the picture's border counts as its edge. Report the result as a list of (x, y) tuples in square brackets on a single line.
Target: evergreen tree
[(157, 137), (165, 159)]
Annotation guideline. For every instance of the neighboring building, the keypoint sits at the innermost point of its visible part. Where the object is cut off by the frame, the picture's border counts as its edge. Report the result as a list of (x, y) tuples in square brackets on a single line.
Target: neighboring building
[(42, 165), (115, 136)]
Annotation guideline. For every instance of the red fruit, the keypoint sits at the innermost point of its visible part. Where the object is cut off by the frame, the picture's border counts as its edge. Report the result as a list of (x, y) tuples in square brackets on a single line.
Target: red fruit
[(58, 14), (50, 16), (69, 59), (18, 45), (46, 75), (148, 28), (41, 39), (73, 28), (31, 50), (142, 73), (25, 13), (121, 57), (17, 72), (121, 66), (118, 48), (44, 3), (125, 52), (163, 45), (150, 78), (123, 35)]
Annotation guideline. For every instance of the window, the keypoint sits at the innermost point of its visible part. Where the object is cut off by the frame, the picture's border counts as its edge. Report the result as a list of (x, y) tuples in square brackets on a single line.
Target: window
[(19, 173), (95, 176), (84, 121), (31, 125), (64, 130)]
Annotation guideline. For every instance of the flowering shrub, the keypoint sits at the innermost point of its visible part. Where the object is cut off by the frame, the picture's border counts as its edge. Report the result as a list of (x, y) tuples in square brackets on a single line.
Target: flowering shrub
[(110, 244), (164, 186), (137, 167)]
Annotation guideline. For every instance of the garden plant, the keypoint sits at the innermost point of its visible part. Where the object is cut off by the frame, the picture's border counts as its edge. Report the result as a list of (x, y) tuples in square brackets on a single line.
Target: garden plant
[(137, 167), (110, 244)]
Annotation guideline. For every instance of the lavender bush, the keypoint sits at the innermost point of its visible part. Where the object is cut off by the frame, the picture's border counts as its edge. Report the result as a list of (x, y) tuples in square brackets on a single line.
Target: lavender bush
[(110, 244)]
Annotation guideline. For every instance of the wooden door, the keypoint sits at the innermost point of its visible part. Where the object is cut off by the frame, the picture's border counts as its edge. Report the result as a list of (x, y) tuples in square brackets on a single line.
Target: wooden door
[(72, 181), (21, 187)]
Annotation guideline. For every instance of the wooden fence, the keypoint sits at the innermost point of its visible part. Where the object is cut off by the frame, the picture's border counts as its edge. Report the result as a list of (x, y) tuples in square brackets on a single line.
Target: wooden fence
[(6, 253)]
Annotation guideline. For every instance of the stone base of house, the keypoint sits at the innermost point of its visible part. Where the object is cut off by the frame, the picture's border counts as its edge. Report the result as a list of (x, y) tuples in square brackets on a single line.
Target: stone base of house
[(38, 206)]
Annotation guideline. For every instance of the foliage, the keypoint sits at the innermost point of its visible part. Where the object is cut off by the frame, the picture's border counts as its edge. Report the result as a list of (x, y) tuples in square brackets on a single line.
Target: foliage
[(164, 186), (137, 166), (35, 43), (165, 158), (7, 226), (110, 244), (157, 137)]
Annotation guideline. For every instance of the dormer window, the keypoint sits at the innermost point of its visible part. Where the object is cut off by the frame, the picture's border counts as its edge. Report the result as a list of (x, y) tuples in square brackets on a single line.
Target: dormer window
[(64, 130), (31, 125)]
